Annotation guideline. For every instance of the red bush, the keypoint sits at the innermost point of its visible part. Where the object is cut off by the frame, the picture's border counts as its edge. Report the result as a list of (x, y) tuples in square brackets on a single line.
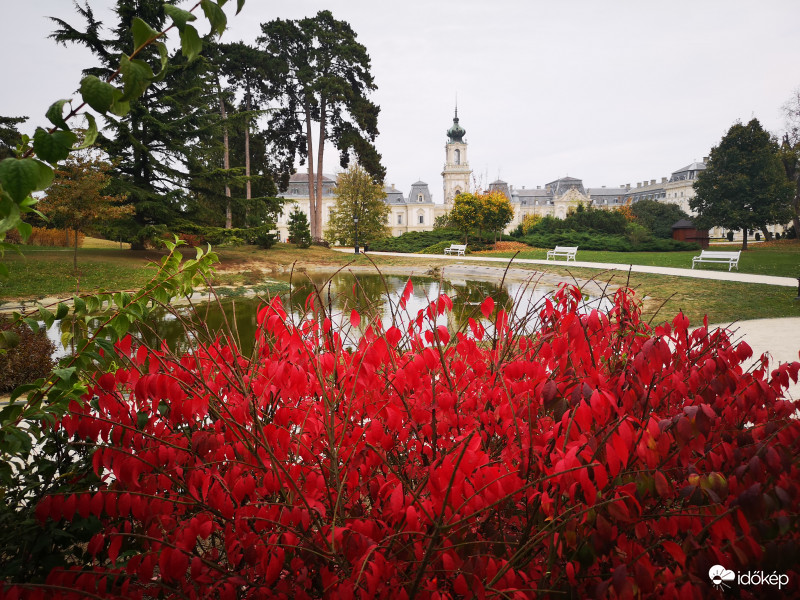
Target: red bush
[(598, 459)]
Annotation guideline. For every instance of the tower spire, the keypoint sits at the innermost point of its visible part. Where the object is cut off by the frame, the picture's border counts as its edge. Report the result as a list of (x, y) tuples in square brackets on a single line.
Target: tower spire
[(456, 105)]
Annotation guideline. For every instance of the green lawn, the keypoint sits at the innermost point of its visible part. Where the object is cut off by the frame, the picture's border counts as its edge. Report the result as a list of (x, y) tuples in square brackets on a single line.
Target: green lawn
[(781, 259)]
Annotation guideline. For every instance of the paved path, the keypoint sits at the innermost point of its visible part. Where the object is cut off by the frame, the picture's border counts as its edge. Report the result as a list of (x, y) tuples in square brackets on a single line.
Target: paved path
[(779, 338), (696, 273)]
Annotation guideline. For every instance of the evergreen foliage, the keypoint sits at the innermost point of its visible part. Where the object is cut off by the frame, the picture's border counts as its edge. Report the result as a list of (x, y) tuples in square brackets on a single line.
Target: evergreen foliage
[(299, 233), (658, 217)]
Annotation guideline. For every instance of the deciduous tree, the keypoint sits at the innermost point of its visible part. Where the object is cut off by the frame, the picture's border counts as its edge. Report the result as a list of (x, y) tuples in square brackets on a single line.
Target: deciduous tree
[(744, 185), (497, 212), (358, 196), (76, 200)]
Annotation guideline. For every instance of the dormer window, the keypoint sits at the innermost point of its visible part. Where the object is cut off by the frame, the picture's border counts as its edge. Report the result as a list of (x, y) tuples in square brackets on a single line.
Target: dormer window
[(420, 198)]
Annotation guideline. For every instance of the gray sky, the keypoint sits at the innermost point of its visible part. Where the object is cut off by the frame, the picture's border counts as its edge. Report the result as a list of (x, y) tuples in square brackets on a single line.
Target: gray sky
[(611, 92)]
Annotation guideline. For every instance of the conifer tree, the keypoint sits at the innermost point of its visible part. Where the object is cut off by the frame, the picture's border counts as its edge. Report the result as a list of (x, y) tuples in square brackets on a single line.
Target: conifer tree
[(299, 233)]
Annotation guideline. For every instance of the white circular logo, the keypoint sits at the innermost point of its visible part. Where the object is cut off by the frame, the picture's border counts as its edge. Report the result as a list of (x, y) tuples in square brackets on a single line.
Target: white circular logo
[(719, 575)]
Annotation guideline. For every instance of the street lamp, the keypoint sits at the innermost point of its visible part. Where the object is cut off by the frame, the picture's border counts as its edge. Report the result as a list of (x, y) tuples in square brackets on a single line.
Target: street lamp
[(355, 220)]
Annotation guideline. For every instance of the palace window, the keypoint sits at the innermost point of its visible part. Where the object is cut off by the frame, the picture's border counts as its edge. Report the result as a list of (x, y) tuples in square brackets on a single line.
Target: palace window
[(458, 157), (399, 218), (420, 198), (422, 219)]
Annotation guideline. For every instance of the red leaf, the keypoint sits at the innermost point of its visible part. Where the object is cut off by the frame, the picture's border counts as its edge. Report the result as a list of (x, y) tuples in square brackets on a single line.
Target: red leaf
[(444, 335), (487, 307), (355, 319), (662, 486), (393, 335), (406, 293), (396, 500), (675, 550)]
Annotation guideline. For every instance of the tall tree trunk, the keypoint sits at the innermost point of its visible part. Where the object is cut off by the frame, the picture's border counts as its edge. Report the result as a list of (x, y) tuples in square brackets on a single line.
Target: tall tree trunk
[(767, 233), (248, 193), (75, 254), (312, 199), (226, 159), (796, 215), (320, 150), (744, 238)]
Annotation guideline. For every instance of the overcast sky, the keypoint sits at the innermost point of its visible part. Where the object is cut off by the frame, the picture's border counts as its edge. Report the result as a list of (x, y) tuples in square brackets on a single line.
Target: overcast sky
[(610, 92)]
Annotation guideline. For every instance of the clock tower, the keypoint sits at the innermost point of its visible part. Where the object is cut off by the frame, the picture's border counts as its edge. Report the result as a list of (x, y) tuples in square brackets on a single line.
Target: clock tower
[(456, 173)]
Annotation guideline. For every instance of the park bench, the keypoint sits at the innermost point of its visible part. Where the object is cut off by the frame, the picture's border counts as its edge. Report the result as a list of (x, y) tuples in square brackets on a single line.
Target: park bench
[(568, 251), (717, 256), (457, 249)]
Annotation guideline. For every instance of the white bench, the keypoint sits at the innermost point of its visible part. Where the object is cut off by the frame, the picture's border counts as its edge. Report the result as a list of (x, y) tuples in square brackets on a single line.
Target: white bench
[(717, 256), (568, 251), (457, 249)]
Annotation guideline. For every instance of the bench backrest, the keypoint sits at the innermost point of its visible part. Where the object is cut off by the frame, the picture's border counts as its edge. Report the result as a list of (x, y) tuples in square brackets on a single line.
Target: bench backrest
[(458, 246), (565, 249), (719, 254)]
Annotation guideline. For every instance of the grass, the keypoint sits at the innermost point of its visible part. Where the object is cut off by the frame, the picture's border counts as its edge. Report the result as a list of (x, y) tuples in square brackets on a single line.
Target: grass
[(723, 301), (780, 258), (48, 272)]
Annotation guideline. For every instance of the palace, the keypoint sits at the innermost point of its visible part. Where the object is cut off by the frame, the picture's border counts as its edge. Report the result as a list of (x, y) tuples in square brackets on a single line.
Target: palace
[(417, 210)]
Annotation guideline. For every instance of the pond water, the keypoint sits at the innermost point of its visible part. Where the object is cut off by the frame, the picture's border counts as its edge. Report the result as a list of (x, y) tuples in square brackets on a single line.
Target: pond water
[(372, 295)]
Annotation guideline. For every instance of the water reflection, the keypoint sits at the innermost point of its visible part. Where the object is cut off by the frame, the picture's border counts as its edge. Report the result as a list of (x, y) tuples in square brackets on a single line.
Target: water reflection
[(375, 297)]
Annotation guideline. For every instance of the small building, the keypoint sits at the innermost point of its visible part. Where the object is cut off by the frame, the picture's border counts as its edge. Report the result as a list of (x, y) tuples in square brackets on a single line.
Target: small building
[(685, 231)]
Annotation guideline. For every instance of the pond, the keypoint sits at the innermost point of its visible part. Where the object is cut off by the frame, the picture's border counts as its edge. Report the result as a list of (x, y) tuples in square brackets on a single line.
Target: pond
[(372, 295)]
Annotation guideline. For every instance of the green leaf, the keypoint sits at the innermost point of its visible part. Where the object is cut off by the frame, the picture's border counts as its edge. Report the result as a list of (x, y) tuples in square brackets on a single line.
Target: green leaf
[(162, 52), (136, 76), (80, 305), (8, 339), (143, 34), (53, 147), (119, 107), (120, 326), (56, 114), (65, 338), (25, 230), (64, 374), (32, 323), (21, 176), (61, 311), (191, 45), (215, 16), (179, 16), (97, 93), (239, 6), (90, 136)]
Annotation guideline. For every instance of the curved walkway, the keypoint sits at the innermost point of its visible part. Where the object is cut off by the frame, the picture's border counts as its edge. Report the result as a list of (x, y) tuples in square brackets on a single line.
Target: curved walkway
[(779, 338), (696, 273)]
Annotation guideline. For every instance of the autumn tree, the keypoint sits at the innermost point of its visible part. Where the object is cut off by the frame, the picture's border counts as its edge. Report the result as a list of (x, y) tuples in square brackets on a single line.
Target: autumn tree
[(358, 197), (497, 212), (466, 214), (320, 76), (76, 199), (744, 185)]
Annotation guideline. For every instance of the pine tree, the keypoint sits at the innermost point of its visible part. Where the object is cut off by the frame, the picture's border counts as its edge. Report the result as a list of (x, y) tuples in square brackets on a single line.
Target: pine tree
[(299, 233)]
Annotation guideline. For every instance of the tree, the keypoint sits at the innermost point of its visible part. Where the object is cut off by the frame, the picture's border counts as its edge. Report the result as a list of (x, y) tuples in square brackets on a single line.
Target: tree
[(299, 233), (9, 136), (790, 153), (744, 185), (358, 196), (497, 212), (76, 200), (321, 74), (467, 213), (153, 132), (658, 217)]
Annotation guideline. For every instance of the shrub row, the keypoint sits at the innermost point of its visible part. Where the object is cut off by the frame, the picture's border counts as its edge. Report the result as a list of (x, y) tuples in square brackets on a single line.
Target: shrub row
[(417, 241), (603, 242), (42, 236), (199, 235), (439, 247)]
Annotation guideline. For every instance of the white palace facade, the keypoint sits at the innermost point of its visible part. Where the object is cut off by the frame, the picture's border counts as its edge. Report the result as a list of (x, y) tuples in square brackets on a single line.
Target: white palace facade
[(416, 211)]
